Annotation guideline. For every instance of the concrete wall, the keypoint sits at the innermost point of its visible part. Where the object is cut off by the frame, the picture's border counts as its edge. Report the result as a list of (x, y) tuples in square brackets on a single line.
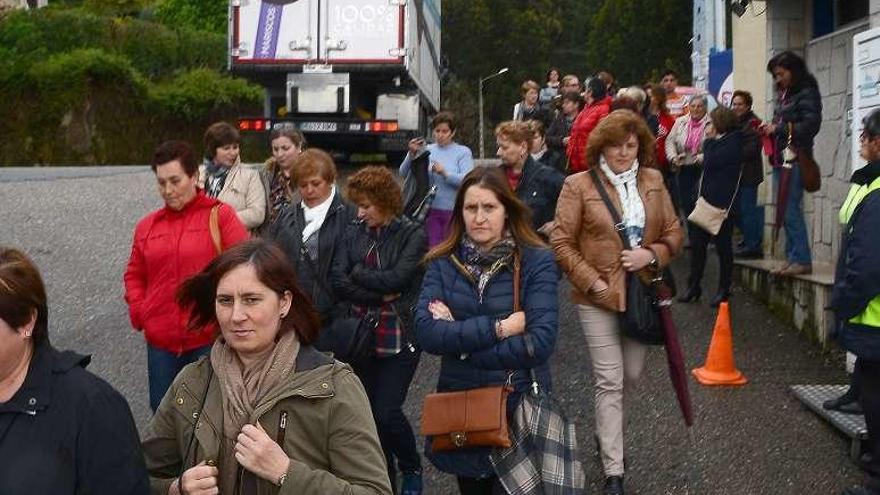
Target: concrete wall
[(749, 45)]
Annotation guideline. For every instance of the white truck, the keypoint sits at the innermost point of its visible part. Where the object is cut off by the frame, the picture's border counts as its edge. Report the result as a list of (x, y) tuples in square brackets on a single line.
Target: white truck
[(355, 76)]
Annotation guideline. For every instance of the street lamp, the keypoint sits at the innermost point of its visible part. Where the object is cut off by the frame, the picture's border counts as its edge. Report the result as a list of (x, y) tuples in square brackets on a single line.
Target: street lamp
[(482, 130)]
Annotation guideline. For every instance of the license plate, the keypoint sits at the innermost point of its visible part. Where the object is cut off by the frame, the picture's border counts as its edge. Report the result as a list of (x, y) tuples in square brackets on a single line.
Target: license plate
[(318, 127)]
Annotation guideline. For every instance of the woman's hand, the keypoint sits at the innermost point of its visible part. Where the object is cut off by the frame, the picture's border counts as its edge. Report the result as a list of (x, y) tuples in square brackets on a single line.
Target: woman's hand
[(599, 286), (767, 128), (440, 311), (515, 324), (200, 479), (438, 168), (415, 145), (636, 259), (259, 454)]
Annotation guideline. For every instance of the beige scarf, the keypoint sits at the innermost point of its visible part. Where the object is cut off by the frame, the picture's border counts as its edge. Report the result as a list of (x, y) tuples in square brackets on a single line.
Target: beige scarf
[(245, 390)]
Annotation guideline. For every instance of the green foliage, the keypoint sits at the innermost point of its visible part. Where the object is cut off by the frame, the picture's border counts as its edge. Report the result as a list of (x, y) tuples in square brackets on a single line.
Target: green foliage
[(77, 86), (202, 15), (115, 7), (202, 91)]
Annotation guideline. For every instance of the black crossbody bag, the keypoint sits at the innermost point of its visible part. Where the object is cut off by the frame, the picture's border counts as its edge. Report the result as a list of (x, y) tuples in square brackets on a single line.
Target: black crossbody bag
[(641, 320)]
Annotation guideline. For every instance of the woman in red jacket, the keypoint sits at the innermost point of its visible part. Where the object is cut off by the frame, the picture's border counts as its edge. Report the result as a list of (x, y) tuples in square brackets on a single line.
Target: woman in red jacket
[(170, 245), (598, 107)]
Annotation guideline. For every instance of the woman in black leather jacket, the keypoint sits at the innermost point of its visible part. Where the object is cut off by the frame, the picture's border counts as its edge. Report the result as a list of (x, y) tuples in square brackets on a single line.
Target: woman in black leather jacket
[(310, 230), (377, 269)]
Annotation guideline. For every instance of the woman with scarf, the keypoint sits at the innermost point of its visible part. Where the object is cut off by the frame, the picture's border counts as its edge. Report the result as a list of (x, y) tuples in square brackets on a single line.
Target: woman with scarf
[(265, 413), (797, 117), (684, 151), (377, 270), (223, 176), (589, 250), (465, 311), (287, 143), (311, 230), (722, 173)]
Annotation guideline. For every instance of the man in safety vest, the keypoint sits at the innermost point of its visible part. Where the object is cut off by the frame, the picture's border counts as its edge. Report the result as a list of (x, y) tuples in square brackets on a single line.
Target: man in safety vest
[(856, 295)]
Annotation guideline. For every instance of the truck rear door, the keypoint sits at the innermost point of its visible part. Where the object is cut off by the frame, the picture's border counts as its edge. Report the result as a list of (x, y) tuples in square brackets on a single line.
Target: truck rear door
[(274, 31), (362, 31)]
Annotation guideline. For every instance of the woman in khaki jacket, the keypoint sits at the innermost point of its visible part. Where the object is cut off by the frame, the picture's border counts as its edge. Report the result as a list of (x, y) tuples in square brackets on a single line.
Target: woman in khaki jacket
[(225, 178), (265, 413), (588, 248)]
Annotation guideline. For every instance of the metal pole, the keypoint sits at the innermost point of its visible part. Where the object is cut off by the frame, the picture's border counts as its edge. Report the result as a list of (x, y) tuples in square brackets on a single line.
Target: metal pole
[(482, 130)]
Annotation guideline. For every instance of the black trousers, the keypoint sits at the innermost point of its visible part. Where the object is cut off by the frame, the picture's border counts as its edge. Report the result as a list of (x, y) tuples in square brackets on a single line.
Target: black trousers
[(387, 381), (869, 375), (723, 245), (483, 486)]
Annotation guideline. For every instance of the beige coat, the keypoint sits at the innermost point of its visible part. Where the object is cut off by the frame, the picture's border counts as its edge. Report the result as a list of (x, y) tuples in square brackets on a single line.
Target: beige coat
[(244, 192), (587, 245), (678, 136), (330, 437)]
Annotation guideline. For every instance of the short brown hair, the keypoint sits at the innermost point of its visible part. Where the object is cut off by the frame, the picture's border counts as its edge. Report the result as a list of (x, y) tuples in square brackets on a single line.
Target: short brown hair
[(378, 186), (220, 134), (175, 150), (518, 215), (22, 294), (313, 162), (658, 99), (745, 95), (537, 128), (615, 129), (527, 85), (516, 131), (198, 293), (723, 119), (447, 118)]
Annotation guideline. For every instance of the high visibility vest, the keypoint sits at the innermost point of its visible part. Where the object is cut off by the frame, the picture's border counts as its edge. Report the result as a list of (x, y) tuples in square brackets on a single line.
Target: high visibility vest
[(857, 193)]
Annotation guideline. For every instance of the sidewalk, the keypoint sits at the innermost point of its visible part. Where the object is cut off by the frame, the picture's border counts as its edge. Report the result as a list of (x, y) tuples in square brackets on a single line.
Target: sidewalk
[(756, 439)]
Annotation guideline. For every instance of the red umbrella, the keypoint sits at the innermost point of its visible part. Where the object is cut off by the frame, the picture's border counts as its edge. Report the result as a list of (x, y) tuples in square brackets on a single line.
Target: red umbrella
[(781, 199), (675, 356)]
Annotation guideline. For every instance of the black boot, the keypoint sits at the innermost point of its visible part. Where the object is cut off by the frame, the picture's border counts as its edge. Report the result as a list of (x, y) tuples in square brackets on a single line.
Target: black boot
[(613, 485), (693, 294), (846, 403), (721, 296)]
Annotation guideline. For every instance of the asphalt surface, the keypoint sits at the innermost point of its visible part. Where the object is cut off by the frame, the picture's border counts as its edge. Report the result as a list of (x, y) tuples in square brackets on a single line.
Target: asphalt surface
[(77, 224)]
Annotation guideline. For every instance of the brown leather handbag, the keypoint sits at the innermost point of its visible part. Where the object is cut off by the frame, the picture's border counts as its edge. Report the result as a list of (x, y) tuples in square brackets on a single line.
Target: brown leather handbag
[(470, 418), (811, 176)]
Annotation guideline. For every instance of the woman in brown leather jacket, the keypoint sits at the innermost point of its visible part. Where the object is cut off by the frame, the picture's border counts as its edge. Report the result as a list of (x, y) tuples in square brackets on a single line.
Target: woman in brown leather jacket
[(588, 248)]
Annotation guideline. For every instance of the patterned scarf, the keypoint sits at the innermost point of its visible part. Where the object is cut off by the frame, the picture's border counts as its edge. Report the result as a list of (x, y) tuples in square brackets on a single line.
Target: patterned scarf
[(244, 390), (483, 264), (216, 176), (278, 195), (626, 185)]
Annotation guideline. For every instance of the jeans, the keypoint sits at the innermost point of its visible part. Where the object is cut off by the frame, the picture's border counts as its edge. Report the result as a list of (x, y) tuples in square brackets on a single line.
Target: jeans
[(618, 362), (749, 218), (484, 486), (688, 180), (797, 244), (723, 244), (163, 366), (386, 381)]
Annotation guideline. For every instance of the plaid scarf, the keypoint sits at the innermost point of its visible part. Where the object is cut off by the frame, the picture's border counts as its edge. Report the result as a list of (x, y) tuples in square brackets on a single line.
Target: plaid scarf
[(483, 265), (278, 199)]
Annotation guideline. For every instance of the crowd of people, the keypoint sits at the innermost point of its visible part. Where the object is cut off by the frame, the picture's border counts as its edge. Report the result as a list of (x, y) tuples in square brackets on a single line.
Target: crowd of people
[(239, 278)]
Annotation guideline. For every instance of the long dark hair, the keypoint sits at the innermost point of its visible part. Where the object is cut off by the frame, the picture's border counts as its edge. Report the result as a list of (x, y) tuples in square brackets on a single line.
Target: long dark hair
[(792, 62), (518, 215), (198, 293)]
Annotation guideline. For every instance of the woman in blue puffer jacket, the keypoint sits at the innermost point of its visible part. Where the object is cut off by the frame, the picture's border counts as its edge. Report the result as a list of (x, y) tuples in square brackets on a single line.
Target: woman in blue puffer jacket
[(465, 311)]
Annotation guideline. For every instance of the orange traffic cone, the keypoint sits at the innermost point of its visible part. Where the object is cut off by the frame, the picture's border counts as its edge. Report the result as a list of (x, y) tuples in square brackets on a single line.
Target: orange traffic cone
[(720, 368)]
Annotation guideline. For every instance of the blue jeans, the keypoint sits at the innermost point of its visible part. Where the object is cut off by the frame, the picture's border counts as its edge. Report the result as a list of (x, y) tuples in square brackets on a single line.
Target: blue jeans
[(749, 218), (163, 366), (797, 244)]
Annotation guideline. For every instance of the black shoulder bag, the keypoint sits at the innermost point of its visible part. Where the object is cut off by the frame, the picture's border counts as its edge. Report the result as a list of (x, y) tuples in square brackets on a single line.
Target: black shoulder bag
[(641, 320)]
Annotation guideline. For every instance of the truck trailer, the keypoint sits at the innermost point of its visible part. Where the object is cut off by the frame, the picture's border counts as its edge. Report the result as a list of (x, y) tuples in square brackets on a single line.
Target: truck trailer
[(355, 76)]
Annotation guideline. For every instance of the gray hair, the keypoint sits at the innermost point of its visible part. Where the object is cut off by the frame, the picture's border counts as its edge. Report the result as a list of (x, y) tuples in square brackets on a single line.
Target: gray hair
[(699, 96), (635, 93)]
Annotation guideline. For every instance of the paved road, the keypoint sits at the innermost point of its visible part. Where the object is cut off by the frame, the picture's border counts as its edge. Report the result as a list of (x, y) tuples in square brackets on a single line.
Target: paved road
[(77, 224)]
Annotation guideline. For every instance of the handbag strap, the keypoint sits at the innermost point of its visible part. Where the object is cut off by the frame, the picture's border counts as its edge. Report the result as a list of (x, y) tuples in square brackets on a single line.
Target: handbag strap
[(214, 228), (192, 435), (735, 191), (517, 306), (615, 216)]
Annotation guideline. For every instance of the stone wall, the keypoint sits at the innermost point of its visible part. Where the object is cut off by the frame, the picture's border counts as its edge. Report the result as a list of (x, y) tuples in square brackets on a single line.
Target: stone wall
[(830, 59)]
